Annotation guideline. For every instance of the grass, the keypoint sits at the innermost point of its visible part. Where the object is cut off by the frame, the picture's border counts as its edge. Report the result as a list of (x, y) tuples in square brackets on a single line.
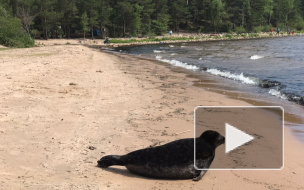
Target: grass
[(4, 49), (152, 39), (254, 35), (229, 36), (169, 38)]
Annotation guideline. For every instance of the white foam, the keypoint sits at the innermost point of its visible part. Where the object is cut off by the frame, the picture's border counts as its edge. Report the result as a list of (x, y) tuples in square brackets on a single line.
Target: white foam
[(277, 93), (183, 46), (171, 46), (173, 54), (158, 57), (227, 74), (157, 51), (178, 63), (200, 58), (254, 57)]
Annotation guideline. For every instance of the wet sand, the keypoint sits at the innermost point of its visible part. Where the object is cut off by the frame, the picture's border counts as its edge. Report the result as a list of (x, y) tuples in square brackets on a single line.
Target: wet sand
[(64, 107)]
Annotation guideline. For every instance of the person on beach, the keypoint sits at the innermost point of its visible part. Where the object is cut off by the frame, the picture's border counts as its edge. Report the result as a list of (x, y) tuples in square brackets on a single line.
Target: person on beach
[(107, 40), (292, 32), (278, 31), (170, 32), (288, 31), (271, 30)]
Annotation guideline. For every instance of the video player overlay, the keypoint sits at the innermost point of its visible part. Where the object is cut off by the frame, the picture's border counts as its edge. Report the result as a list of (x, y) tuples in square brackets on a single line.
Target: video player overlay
[(253, 136)]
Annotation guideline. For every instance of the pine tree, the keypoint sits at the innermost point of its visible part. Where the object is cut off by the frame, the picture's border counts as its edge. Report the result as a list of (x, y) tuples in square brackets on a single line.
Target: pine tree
[(85, 23), (217, 12)]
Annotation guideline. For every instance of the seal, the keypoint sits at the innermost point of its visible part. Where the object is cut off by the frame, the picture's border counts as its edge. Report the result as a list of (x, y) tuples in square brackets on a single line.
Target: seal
[(174, 160)]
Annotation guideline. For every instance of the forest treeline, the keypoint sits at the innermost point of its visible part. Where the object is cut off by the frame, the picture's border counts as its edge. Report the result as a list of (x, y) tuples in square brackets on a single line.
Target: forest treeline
[(124, 18)]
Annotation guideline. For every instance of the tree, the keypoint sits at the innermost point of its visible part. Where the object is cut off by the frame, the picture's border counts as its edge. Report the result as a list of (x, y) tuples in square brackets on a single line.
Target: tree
[(268, 9), (127, 14), (85, 23), (25, 14), (135, 22), (10, 31), (48, 19), (160, 25), (58, 18), (105, 11), (179, 12), (217, 12), (69, 12), (160, 17), (148, 8)]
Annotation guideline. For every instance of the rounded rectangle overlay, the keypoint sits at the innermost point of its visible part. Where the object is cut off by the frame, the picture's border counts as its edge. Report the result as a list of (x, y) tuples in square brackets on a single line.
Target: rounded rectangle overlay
[(254, 137)]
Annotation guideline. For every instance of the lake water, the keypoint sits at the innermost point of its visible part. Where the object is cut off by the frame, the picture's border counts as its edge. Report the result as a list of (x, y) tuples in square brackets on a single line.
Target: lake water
[(272, 69)]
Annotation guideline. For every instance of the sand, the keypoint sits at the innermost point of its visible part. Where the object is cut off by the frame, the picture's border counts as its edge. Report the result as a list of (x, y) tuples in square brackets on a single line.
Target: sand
[(63, 107)]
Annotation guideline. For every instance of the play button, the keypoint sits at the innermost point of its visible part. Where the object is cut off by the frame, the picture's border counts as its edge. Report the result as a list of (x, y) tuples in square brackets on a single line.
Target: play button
[(253, 136), (235, 138)]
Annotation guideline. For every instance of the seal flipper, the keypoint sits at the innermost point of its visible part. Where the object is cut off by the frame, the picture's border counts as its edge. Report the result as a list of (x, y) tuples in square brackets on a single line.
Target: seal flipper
[(111, 160), (200, 175)]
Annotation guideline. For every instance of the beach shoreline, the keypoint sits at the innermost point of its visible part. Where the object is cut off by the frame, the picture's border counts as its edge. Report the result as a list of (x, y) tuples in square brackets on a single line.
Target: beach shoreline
[(168, 39), (63, 107)]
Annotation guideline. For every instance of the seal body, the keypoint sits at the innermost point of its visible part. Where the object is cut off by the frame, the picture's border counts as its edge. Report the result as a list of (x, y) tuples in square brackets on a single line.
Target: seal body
[(174, 160)]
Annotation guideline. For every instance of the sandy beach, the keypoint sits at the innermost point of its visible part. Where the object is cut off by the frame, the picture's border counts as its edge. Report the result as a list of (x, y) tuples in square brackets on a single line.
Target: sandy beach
[(63, 107)]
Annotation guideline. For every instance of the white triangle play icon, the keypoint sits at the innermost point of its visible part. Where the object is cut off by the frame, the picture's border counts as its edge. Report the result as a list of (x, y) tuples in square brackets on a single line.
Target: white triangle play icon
[(235, 138)]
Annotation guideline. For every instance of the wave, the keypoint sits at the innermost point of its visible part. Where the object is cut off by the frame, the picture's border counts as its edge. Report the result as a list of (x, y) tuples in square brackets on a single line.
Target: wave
[(277, 93), (295, 98), (271, 84), (276, 88), (238, 77), (178, 63), (292, 97), (158, 51), (171, 46), (254, 57)]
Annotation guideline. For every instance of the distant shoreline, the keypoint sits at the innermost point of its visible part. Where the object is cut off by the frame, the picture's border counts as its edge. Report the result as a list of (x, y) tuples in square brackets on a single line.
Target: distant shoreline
[(175, 38)]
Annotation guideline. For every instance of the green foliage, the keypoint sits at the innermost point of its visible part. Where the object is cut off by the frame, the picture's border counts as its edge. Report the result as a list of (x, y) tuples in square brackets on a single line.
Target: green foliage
[(257, 29), (300, 25), (200, 29), (136, 20), (151, 39), (240, 30), (179, 12), (217, 12), (229, 36), (85, 23), (160, 24), (254, 35), (148, 8), (116, 18), (282, 27), (11, 34)]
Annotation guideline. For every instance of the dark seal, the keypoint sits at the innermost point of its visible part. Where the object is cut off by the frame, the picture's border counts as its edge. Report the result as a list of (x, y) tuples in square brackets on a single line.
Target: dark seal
[(174, 160)]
